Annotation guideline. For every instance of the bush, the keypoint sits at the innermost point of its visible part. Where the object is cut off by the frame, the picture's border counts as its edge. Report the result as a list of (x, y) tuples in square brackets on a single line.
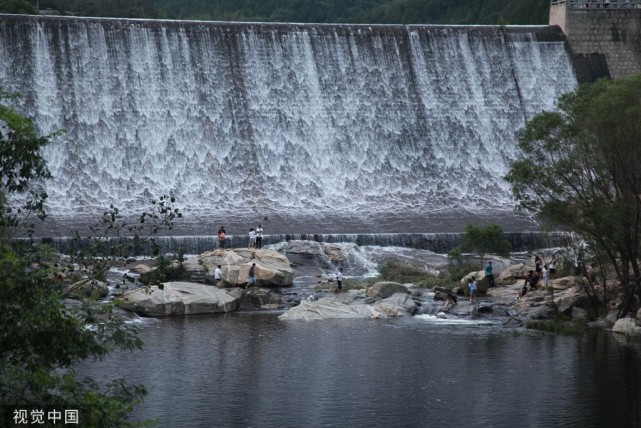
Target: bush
[(457, 272), (403, 273)]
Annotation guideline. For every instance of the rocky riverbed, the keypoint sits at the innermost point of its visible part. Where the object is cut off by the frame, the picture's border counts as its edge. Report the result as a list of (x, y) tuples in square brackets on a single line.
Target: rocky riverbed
[(313, 298)]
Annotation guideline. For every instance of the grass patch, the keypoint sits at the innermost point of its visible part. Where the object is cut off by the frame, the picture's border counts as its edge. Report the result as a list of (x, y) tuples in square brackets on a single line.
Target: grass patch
[(404, 273), (566, 326)]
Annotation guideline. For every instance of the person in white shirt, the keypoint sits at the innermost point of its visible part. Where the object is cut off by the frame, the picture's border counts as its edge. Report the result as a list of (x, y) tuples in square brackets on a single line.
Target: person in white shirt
[(552, 266), (252, 238), (218, 276), (259, 237), (339, 281)]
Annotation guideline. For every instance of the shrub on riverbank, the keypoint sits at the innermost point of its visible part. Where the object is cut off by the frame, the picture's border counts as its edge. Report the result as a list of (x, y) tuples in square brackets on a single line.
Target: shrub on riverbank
[(404, 273), (565, 326)]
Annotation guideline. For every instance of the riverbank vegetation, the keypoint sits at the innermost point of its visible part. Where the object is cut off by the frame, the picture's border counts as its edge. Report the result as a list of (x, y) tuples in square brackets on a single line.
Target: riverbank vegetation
[(405, 273), (42, 336), (482, 240), (471, 12), (579, 171)]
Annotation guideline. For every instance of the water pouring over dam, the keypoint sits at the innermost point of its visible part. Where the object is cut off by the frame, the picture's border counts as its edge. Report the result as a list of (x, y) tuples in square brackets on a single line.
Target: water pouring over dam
[(308, 128)]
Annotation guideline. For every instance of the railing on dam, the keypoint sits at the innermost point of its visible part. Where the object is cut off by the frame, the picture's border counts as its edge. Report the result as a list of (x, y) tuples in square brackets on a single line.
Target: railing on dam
[(599, 4)]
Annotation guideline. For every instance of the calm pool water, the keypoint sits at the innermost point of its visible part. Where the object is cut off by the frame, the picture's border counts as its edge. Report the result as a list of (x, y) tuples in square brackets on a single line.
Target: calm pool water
[(252, 370)]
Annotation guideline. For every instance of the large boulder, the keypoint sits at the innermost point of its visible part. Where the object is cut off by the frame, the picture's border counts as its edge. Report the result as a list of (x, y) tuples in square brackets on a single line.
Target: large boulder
[(87, 288), (353, 305), (397, 305), (562, 283), (482, 283), (385, 289), (327, 309), (272, 268), (179, 298), (628, 327), (512, 274)]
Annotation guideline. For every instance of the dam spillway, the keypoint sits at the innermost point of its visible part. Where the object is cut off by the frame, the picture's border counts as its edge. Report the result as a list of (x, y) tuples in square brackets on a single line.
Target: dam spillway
[(307, 128)]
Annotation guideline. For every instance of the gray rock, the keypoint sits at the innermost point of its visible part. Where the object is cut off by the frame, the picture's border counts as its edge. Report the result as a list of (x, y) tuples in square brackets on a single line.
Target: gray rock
[(512, 274), (397, 305), (272, 268), (578, 313), (386, 289), (87, 288), (327, 309), (179, 298), (536, 312), (628, 327)]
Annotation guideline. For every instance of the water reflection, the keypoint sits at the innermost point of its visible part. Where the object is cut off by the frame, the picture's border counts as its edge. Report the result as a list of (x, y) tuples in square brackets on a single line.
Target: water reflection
[(252, 370)]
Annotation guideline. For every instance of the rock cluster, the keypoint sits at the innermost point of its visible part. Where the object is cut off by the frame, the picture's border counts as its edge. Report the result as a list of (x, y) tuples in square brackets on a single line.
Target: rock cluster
[(179, 298), (563, 296), (272, 268), (382, 300)]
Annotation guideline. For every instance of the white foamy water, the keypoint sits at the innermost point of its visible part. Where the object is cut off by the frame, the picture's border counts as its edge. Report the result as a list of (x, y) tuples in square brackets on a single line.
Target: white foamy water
[(448, 320), (262, 119)]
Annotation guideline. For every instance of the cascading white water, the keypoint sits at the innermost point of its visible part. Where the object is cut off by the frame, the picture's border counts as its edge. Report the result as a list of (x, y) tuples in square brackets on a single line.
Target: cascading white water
[(387, 124)]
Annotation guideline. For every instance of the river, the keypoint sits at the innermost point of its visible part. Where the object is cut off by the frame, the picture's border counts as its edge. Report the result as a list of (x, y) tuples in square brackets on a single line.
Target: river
[(250, 369)]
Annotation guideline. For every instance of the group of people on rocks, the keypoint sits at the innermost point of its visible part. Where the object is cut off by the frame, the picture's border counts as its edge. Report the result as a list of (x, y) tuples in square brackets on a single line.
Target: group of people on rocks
[(218, 276), (542, 272), (255, 237), (255, 241)]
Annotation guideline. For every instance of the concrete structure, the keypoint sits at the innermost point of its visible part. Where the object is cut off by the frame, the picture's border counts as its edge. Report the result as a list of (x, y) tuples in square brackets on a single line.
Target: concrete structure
[(604, 35)]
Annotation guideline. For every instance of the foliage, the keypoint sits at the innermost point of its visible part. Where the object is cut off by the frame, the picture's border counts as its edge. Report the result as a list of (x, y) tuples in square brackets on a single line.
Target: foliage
[(114, 238), (318, 11), (404, 273), (105, 8), (22, 169), (580, 171), (166, 270), (458, 271), (17, 6), (483, 240), (42, 338), (559, 325)]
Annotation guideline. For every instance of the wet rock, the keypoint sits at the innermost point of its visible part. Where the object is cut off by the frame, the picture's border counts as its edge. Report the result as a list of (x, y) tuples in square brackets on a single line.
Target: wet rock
[(386, 289), (512, 274), (87, 288), (179, 298), (628, 327), (272, 268)]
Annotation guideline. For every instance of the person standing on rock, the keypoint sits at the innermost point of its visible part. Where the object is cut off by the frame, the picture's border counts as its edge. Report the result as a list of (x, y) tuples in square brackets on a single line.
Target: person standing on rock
[(259, 237), (473, 289), (252, 276), (222, 236), (552, 265), (489, 274), (252, 238), (339, 281), (546, 276), (218, 276), (538, 263)]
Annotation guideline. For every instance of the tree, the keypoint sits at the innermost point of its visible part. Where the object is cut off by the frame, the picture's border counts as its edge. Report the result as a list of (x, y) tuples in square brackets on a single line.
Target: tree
[(17, 6), (42, 338), (579, 171), (114, 238), (22, 169), (483, 240)]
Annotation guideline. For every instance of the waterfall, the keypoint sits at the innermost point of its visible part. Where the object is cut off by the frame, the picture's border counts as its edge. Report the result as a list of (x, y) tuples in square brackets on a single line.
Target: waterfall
[(307, 128)]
